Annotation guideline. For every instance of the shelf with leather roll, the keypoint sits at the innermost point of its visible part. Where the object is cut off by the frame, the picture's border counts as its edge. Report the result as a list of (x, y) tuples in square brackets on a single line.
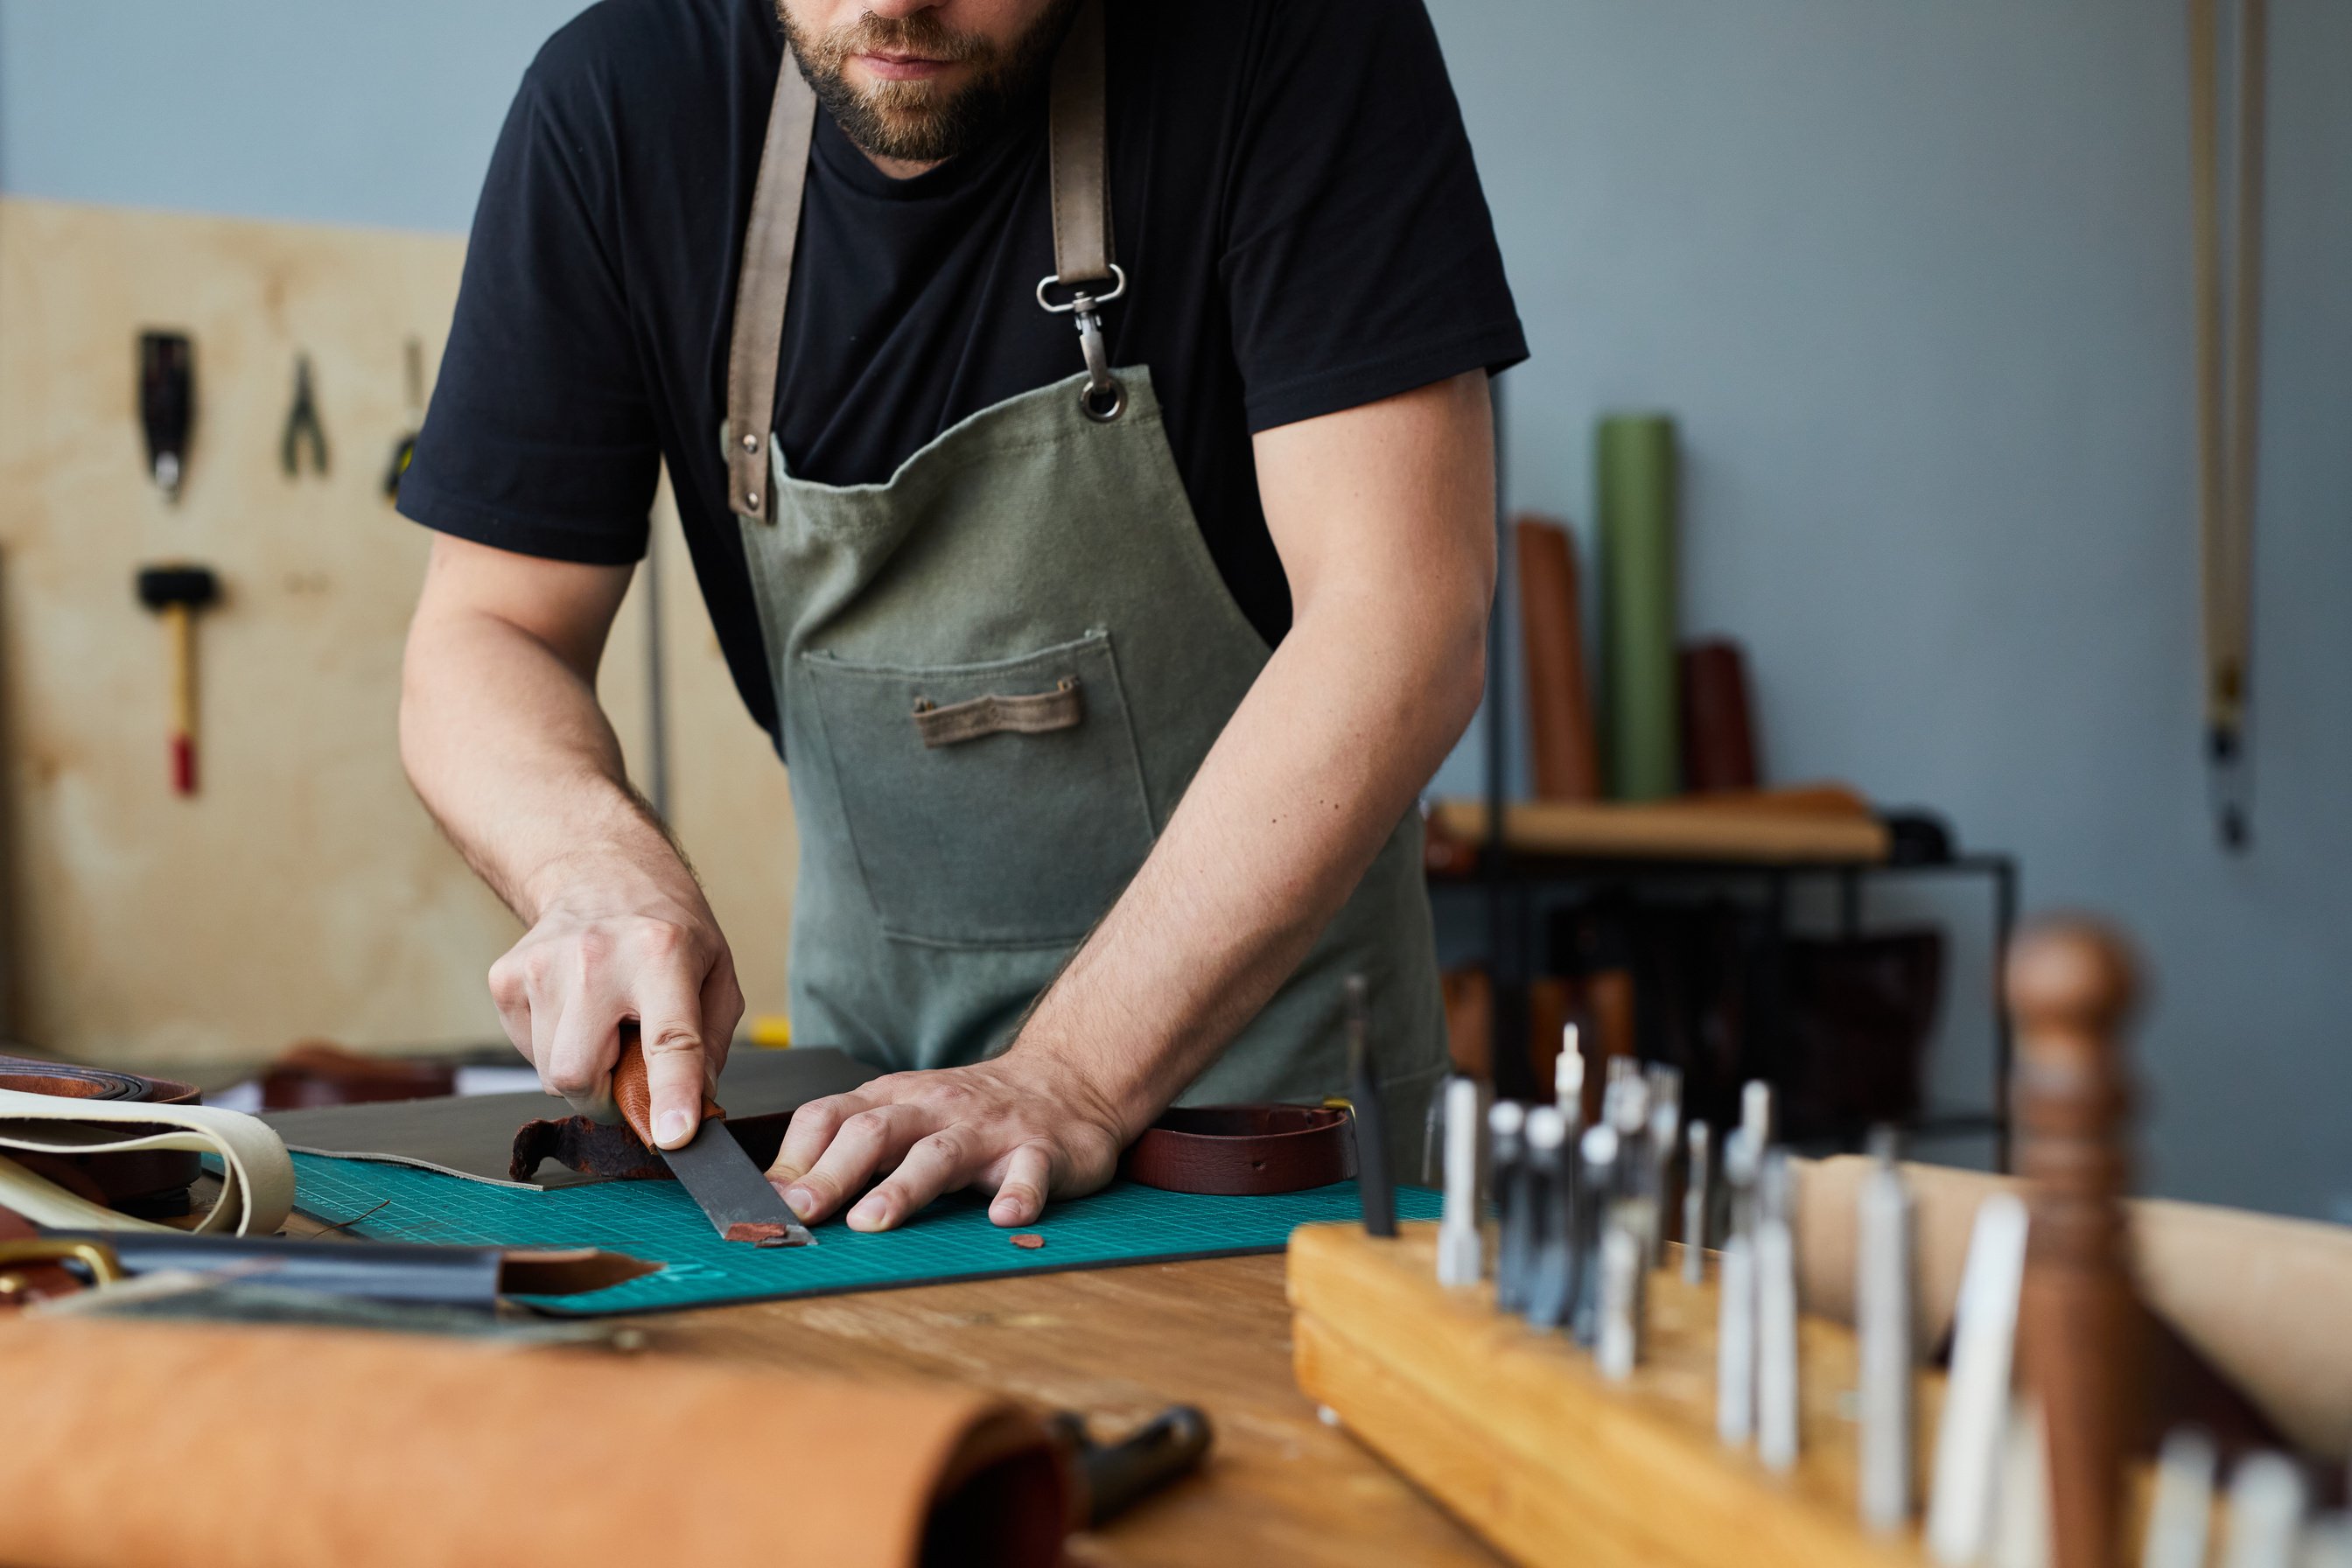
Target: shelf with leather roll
[(1761, 844)]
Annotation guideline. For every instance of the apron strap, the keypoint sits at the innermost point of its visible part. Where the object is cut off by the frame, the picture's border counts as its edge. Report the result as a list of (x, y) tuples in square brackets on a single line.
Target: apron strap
[(1081, 159), (1082, 254), (763, 288)]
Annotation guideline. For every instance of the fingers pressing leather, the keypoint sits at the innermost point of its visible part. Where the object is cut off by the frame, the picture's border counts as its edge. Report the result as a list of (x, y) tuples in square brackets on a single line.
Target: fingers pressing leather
[(945, 1161), (811, 1129), (1021, 1195), (865, 1144)]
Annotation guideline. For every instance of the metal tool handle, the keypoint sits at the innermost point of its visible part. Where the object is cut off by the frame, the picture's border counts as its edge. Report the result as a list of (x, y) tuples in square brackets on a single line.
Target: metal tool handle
[(1117, 1476)]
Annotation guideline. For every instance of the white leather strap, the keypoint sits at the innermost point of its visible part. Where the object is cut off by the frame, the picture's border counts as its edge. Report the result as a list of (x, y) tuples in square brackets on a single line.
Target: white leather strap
[(258, 1177)]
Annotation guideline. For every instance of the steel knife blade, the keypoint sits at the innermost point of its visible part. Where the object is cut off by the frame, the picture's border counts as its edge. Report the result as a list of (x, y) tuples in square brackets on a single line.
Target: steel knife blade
[(732, 1192)]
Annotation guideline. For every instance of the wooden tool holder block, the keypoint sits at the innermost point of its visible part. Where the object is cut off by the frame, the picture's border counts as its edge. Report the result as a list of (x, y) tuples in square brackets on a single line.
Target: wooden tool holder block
[(1516, 1432)]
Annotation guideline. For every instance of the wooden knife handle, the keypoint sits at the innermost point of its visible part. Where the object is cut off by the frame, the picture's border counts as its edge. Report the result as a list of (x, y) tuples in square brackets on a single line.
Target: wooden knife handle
[(635, 1095)]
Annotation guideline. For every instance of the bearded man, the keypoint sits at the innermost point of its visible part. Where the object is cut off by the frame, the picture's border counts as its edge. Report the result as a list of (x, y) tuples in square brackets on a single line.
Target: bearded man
[(1108, 664)]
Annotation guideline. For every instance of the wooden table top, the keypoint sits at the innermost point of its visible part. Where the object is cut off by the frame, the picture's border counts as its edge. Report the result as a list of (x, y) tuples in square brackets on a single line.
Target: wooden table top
[(1119, 1345)]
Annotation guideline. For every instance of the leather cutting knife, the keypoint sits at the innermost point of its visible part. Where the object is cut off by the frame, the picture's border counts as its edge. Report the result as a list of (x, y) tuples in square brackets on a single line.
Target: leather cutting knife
[(732, 1190)]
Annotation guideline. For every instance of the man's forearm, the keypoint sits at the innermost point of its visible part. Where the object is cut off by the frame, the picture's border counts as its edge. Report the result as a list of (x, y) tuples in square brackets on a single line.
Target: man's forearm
[(512, 755), (1330, 747)]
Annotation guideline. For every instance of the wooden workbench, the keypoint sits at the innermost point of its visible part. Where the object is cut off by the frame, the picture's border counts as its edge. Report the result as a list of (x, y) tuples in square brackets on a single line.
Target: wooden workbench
[(1119, 1345), (1116, 1345)]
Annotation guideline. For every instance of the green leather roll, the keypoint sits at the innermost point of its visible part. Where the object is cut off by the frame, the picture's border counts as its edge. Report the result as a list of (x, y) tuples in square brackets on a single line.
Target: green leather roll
[(1635, 469)]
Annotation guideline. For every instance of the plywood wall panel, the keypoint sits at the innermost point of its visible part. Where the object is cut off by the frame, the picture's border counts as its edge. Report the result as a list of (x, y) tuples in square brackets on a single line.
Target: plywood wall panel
[(303, 891)]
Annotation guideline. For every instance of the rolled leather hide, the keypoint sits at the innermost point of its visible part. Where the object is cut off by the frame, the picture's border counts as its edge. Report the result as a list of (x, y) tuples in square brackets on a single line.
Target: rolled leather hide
[(138, 1445)]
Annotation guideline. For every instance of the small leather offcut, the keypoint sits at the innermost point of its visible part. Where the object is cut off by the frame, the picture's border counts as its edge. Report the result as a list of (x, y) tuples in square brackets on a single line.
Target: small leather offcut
[(1038, 713), (1242, 1151)]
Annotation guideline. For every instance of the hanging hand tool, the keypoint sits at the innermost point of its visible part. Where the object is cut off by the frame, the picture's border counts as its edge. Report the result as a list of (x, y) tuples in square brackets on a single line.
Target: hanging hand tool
[(302, 427), (176, 592), (403, 451), (167, 404), (732, 1190), (2226, 443)]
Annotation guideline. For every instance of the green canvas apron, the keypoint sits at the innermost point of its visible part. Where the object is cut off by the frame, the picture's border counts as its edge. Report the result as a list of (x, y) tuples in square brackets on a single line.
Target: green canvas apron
[(996, 673)]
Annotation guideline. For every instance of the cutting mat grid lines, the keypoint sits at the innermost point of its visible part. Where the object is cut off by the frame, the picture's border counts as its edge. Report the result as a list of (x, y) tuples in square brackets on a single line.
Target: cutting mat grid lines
[(658, 1222)]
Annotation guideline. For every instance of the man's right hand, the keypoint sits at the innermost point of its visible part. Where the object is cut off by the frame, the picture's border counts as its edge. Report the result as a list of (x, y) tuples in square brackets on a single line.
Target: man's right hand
[(507, 748), (615, 943)]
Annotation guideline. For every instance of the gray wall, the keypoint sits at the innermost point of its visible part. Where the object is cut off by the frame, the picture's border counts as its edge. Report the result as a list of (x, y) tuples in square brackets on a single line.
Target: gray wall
[(1915, 278), (322, 111)]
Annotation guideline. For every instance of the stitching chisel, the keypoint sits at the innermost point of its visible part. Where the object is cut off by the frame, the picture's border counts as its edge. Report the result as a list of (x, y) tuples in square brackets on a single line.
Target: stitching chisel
[(710, 1165)]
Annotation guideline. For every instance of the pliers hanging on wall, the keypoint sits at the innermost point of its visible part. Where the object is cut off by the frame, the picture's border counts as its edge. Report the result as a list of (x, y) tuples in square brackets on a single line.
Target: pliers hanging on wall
[(302, 424)]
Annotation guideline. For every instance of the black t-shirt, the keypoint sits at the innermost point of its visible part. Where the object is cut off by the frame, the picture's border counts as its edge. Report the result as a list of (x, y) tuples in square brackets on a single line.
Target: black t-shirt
[(1292, 196)]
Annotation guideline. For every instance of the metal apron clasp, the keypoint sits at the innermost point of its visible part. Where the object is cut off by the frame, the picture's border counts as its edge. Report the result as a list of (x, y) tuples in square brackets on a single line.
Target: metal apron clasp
[(1102, 399)]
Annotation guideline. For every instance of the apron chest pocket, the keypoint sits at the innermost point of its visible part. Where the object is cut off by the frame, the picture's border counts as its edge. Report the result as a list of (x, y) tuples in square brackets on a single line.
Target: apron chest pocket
[(996, 804)]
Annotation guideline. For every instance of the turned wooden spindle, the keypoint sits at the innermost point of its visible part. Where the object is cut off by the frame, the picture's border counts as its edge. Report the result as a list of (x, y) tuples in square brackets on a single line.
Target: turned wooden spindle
[(2070, 988)]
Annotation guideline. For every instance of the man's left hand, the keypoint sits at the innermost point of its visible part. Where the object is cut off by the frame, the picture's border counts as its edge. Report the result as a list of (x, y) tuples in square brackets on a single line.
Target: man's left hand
[(1022, 1125)]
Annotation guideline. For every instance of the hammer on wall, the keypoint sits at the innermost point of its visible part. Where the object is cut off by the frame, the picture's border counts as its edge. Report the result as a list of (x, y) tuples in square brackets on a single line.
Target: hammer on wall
[(176, 592)]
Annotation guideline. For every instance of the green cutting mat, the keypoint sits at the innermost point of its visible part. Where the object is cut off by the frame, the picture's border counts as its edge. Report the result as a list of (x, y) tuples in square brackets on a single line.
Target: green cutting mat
[(657, 1221)]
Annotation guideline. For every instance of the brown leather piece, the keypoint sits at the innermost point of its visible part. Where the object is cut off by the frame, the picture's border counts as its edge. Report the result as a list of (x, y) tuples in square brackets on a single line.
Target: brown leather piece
[(22, 1284), (610, 1150), (1718, 725), (1565, 756), (149, 1444), (1034, 714), (321, 1072), (1242, 1151), (153, 1183)]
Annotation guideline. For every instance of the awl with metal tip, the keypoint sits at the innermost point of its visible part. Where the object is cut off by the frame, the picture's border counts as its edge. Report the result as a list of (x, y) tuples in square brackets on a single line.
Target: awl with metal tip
[(711, 1166)]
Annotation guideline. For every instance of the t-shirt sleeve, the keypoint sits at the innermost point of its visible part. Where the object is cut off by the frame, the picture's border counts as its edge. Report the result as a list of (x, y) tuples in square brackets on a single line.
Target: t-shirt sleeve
[(1361, 258), (540, 436)]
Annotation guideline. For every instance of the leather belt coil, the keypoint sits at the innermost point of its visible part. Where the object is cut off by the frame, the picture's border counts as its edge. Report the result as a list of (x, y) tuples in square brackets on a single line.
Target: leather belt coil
[(148, 1181), (1244, 1151)]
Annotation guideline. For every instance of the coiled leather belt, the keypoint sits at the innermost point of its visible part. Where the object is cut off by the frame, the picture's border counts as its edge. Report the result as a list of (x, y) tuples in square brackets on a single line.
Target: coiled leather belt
[(151, 1183), (1244, 1151)]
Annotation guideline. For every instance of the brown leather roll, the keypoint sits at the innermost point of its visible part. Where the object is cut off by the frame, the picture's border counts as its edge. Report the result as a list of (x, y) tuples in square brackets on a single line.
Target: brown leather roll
[(1718, 728), (138, 1445), (148, 1181), (1559, 701), (1242, 1151)]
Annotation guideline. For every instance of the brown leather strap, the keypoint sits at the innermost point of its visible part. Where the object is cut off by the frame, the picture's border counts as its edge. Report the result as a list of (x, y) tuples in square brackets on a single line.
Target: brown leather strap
[(1242, 1151), (1081, 153), (1081, 250), (151, 1183), (763, 288), (1036, 714)]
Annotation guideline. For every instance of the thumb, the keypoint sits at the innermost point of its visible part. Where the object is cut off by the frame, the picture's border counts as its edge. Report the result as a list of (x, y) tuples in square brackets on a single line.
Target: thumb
[(674, 1074)]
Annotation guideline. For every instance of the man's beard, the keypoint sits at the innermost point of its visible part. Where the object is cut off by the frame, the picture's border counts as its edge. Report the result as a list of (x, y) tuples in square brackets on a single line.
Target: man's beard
[(922, 122)]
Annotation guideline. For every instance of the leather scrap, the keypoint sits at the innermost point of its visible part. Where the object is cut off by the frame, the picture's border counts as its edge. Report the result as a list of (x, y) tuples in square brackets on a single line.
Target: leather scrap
[(612, 1152), (487, 1137)]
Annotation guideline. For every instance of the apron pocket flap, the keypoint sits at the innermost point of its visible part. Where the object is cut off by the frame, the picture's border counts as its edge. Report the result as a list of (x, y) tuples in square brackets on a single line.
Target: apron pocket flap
[(1009, 813)]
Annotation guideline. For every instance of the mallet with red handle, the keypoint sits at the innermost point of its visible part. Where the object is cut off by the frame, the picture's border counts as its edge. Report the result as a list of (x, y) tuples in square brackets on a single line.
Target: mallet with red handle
[(176, 592)]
